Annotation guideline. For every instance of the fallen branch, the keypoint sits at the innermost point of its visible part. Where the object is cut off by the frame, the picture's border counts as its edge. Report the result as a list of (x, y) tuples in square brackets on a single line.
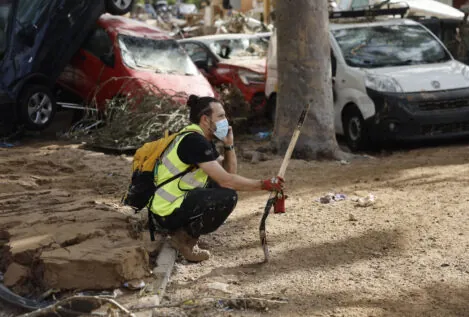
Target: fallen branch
[(79, 305), (244, 302)]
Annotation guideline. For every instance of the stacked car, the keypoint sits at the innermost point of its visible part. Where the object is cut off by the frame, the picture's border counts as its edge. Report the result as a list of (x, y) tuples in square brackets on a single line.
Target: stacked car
[(37, 40)]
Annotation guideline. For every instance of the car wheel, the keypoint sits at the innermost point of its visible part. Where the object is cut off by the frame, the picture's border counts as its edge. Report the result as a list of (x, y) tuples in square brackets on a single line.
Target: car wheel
[(272, 108), (119, 7), (355, 130), (37, 107)]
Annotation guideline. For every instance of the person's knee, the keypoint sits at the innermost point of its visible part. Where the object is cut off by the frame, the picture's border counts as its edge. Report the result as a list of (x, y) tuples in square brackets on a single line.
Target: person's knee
[(231, 197)]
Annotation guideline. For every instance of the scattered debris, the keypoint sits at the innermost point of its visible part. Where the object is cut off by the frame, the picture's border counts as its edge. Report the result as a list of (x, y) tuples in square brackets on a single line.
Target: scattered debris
[(259, 304), (6, 145), (134, 284), (366, 201), (79, 306), (262, 135), (255, 156), (234, 102), (131, 121), (330, 197), (218, 286)]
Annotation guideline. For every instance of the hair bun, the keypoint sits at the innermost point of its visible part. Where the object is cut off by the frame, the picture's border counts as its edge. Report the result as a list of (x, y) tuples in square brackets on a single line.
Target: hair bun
[(192, 101)]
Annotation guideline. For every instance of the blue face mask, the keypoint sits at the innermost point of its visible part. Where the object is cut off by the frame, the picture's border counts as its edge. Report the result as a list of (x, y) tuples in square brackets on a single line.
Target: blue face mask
[(222, 128)]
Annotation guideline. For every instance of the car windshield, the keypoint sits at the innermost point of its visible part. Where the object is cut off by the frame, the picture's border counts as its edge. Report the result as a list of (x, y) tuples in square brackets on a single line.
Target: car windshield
[(5, 10), (161, 56), (389, 45), (240, 47)]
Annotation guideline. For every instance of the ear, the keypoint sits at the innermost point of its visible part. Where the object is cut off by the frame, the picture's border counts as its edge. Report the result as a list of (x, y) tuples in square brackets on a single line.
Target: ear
[(204, 120)]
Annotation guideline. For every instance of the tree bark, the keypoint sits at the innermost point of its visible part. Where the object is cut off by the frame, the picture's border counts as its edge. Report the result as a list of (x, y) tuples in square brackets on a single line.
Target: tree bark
[(304, 76)]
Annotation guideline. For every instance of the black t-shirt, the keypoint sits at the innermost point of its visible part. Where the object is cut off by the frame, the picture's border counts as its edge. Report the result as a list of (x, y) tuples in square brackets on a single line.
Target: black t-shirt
[(195, 149)]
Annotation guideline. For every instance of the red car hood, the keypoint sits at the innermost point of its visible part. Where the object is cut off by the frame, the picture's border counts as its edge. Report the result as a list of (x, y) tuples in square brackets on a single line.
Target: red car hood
[(255, 64), (176, 84)]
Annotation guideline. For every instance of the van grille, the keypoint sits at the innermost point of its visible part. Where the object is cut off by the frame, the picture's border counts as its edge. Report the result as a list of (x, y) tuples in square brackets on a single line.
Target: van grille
[(430, 105), (444, 128)]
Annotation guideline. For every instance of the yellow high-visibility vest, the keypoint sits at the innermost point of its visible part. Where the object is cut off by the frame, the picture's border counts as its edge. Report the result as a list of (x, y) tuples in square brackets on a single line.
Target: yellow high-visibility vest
[(170, 196)]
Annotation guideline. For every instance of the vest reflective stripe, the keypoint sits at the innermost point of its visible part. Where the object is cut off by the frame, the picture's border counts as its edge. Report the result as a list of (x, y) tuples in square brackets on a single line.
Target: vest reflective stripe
[(170, 166), (163, 193), (170, 196), (190, 179)]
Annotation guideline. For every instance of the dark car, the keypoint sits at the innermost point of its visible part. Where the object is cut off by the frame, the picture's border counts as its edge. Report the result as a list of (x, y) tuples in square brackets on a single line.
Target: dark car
[(37, 40)]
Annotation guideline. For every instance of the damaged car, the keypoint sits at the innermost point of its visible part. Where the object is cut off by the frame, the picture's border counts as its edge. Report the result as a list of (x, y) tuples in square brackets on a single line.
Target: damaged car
[(393, 79), (37, 40), (233, 59), (122, 56)]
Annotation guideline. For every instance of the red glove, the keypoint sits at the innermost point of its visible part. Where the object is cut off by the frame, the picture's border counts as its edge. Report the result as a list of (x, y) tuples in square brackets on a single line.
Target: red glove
[(274, 184)]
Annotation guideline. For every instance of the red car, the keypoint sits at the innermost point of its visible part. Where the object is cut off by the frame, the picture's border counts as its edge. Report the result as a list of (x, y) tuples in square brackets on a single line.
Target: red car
[(122, 56), (233, 59)]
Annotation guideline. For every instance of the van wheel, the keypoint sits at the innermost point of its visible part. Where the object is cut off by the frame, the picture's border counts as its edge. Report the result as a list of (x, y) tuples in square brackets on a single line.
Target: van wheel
[(271, 108), (119, 7), (355, 130), (37, 107)]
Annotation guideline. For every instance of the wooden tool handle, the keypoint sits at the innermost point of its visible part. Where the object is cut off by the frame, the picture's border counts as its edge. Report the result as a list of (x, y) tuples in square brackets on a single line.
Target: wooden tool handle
[(294, 139)]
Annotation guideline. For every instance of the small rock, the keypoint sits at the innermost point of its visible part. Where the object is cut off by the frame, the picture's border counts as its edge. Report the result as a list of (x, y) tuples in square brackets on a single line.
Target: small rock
[(445, 265), (366, 201), (15, 274), (219, 286), (352, 218), (153, 300)]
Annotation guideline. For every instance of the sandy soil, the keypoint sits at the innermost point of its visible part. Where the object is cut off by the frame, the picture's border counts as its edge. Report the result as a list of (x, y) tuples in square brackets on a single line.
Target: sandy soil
[(406, 255), (60, 225)]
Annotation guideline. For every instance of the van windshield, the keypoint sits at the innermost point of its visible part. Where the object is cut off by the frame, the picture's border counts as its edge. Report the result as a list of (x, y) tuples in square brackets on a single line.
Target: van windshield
[(161, 56), (389, 45), (5, 10)]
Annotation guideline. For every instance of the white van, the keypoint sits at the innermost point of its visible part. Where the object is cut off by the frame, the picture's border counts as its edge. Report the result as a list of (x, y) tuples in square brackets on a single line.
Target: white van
[(393, 79)]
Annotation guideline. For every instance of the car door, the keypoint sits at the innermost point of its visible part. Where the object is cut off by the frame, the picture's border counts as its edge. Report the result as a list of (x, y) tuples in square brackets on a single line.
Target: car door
[(89, 70)]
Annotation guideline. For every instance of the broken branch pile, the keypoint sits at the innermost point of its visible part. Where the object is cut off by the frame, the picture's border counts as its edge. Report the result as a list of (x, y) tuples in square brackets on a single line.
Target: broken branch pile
[(132, 119)]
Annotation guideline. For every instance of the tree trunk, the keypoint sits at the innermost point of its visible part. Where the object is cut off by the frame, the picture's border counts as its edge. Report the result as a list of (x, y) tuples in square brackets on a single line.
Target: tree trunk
[(304, 76)]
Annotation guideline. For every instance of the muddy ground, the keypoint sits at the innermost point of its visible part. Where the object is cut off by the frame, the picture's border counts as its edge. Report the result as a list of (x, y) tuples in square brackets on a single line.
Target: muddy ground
[(406, 255)]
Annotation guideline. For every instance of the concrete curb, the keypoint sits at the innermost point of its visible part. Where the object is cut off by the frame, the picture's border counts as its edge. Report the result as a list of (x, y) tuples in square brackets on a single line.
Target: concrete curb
[(164, 267), (162, 272)]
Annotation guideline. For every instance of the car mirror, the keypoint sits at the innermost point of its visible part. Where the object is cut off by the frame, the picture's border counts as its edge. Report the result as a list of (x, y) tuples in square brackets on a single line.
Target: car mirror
[(108, 59)]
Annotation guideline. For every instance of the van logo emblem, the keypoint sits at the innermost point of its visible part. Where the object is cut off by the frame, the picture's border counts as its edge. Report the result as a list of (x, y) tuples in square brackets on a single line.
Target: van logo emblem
[(436, 84)]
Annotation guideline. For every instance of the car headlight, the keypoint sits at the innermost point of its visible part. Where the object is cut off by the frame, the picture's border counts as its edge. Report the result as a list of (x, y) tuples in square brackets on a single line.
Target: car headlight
[(249, 77), (382, 83)]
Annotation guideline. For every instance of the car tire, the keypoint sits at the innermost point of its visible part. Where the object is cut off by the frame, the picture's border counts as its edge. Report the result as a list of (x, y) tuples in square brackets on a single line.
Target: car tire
[(271, 109), (355, 130), (119, 7), (37, 107)]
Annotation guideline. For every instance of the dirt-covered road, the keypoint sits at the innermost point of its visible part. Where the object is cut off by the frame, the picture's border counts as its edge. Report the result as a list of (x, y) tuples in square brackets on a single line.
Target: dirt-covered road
[(405, 255)]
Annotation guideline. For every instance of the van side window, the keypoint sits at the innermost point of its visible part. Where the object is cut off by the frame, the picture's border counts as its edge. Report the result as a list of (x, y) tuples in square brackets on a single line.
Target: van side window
[(98, 43)]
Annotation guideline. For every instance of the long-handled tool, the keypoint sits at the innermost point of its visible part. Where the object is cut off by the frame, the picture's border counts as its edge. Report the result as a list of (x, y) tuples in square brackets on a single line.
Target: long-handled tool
[(274, 195)]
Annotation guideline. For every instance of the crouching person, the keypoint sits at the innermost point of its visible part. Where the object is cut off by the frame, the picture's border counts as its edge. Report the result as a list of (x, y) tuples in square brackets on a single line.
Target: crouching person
[(203, 192)]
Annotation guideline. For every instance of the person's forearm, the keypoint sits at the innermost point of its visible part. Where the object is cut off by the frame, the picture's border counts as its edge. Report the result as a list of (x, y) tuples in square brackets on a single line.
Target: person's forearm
[(240, 183), (230, 162)]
